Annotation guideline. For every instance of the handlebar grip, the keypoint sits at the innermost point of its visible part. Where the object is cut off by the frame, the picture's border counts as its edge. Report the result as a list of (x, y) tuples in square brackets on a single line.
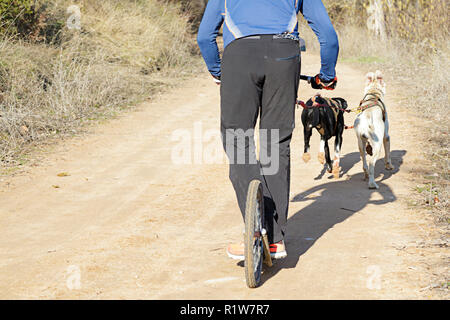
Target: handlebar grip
[(306, 78)]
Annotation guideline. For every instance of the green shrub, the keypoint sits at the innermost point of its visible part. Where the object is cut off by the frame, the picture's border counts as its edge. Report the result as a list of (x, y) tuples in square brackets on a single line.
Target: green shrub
[(10, 9), (25, 19), (14, 13)]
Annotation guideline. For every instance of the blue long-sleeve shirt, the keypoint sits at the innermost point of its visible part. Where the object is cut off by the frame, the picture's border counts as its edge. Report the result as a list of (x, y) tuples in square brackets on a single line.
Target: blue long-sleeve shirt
[(243, 18)]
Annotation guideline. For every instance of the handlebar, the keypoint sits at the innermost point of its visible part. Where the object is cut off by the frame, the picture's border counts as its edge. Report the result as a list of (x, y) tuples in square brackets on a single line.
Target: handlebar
[(316, 83), (306, 78)]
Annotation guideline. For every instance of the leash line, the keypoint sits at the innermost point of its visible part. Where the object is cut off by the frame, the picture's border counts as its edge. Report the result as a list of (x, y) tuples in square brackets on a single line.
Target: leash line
[(318, 105)]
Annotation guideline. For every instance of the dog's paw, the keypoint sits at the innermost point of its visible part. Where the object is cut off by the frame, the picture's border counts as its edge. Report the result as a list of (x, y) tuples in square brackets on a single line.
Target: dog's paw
[(389, 166), (336, 171), (373, 185), (321, 157), (366, 175), (306, 157)]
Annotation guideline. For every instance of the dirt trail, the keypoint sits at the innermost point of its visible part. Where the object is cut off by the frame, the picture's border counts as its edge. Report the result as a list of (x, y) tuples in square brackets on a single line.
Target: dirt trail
[(135, 225)]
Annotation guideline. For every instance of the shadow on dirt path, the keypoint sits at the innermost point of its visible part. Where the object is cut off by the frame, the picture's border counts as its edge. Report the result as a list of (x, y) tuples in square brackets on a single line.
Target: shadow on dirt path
[(347, 197)]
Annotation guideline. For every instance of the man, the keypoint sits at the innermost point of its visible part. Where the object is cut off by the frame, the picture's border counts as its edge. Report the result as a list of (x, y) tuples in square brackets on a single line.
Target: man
[(259, 75)]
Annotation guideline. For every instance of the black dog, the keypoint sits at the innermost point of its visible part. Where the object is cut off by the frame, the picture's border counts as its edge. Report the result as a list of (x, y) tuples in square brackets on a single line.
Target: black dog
[(327, 116)]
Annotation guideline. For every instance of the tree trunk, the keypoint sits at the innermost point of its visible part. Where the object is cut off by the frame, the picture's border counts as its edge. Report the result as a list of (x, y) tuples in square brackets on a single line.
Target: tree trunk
[(375, 21)]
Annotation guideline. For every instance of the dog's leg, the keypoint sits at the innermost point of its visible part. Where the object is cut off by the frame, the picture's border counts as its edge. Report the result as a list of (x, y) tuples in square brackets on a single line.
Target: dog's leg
[(321, 155), (362, 152), (376, 147), (307, 136), (328, 158), (387, 148), (337, 150)]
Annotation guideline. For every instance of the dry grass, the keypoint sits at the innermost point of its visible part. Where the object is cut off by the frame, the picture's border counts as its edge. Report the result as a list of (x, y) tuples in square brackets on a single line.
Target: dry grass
[(415, 57), (124, 52)]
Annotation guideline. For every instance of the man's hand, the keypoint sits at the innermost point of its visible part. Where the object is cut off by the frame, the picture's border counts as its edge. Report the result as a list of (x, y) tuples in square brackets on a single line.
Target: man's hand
[(318, 83), (217, 80)]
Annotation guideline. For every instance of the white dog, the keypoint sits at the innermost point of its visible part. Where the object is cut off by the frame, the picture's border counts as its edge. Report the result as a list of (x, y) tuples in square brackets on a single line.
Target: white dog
[(372, 127)]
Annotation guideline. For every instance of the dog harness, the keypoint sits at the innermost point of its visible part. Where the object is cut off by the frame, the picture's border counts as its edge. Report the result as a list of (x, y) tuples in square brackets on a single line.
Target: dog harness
[(375, 101), (332, 104)]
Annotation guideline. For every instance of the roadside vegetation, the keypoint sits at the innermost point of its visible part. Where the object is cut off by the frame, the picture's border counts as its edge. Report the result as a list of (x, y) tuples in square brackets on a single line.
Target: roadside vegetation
[(409, 41), (66, 63), (411, 45)]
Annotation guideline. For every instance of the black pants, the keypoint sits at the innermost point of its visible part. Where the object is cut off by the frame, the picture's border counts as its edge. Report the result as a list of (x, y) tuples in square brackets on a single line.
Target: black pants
[(260, 78)]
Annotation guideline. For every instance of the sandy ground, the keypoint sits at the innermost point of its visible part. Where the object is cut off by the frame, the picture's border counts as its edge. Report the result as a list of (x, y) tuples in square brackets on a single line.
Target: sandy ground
[(129, 223)]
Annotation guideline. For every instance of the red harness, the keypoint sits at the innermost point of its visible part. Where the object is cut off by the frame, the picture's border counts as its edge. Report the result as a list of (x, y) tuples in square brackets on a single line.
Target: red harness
[(318, 105)]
